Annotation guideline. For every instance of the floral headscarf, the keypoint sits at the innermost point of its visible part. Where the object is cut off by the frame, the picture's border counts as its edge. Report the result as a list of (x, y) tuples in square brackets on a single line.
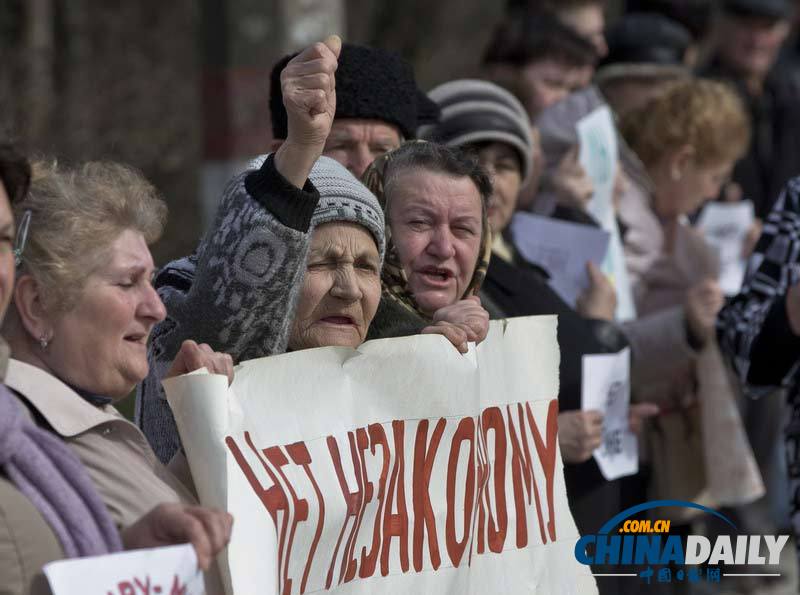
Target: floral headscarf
[(393, 279)]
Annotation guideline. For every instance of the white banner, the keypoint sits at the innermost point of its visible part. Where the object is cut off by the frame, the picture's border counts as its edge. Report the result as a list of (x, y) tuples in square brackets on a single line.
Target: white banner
[(159, 571), (402, 467)]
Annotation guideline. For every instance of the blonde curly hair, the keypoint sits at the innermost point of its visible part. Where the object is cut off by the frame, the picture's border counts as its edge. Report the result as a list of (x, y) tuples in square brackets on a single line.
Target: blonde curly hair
[(705, 114), (76, 214)]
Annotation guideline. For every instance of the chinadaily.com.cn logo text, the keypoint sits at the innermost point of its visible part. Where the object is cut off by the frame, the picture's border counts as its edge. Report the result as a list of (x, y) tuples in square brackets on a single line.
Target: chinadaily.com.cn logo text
[(644, 549)]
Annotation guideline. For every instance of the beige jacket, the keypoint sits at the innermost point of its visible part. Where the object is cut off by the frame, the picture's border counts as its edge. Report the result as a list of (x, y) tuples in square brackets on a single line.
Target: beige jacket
[(26, 544), (123, 467), (731, 475)]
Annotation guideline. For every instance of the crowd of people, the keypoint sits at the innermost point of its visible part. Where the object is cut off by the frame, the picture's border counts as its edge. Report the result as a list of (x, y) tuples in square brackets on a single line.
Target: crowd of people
[(381, 211)]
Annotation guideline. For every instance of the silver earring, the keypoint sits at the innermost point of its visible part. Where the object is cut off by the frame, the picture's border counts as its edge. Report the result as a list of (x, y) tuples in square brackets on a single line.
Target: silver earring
[(43, 341)]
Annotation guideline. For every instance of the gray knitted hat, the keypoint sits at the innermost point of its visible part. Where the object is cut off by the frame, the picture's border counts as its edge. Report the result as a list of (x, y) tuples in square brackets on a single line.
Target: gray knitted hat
[(344, 198), (475, 111)]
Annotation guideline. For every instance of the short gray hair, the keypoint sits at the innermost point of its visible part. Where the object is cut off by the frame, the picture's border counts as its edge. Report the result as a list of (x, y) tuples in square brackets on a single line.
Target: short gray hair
[(76, 213), (436, 158)]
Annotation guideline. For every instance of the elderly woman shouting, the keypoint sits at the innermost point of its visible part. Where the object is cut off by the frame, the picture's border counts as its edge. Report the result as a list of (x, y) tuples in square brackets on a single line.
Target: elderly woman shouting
[(293, 258), (438, 240)]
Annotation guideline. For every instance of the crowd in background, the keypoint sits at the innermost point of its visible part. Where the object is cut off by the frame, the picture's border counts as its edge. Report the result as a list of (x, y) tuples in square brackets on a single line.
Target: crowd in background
[(382, 210)]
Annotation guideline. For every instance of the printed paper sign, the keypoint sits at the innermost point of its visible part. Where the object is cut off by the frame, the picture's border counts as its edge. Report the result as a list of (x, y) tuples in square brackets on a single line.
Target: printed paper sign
[(560, 248), (606, 388), (160, 571), (599, 157), (401, 467), (725, 226)]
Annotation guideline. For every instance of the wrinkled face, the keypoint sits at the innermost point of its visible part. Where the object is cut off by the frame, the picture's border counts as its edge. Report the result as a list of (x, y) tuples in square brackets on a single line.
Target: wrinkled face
[(341, 288), (501, 161), (750, 45), (100, 345), (356, 143), (589, 22), (436, 227), (547, 82), (6, 251)]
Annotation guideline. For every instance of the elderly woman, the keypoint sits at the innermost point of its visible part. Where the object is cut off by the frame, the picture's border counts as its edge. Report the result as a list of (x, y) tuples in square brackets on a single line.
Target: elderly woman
[(51, 506), (688, 139), (438, 238), (488, 122), (292, 260)]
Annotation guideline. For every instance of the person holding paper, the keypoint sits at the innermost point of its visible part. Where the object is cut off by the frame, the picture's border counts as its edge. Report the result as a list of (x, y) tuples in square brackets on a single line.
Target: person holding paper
[(688, 138), (658, 341), (49, 507), (241, 290), (687, 154), (489, 122)]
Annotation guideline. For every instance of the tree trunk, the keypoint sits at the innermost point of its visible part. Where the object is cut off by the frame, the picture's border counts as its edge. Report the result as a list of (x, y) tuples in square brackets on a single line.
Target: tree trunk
[(39, 71)]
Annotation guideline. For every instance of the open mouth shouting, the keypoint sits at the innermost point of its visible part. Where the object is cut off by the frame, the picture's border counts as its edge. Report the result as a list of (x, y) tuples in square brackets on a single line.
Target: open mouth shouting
[(436, 276)]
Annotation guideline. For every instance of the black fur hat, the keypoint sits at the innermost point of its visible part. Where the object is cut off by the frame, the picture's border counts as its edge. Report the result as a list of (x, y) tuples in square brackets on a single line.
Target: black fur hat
[(371, 83)]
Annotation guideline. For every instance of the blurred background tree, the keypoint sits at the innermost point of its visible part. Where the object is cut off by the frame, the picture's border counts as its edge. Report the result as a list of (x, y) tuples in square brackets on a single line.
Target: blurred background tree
[(179, 89)]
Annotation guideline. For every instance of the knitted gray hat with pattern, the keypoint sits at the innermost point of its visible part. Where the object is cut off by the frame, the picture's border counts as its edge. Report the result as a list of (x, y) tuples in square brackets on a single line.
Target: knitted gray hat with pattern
[(343, 198), (475, 111)]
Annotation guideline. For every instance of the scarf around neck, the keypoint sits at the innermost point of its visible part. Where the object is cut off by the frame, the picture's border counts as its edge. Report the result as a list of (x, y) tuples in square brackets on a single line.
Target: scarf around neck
[(54, 480), (394, 281)]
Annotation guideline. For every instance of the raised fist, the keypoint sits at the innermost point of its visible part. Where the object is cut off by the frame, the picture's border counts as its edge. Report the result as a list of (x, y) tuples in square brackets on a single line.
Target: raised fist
[(308, 84)]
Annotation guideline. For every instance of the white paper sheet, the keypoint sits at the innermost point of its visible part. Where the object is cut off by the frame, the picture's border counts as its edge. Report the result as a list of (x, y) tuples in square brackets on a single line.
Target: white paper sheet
[(159, 571), (599, 156), (560, 248), (606, 388), (329, 459), (725, 226)]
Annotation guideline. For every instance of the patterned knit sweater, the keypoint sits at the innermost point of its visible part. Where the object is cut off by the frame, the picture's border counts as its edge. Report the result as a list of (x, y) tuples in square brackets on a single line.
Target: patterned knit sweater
[(237, 292)]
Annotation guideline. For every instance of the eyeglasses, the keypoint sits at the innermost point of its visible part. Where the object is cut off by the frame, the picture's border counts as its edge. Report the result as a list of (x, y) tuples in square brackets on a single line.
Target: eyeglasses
[(22, 237)]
